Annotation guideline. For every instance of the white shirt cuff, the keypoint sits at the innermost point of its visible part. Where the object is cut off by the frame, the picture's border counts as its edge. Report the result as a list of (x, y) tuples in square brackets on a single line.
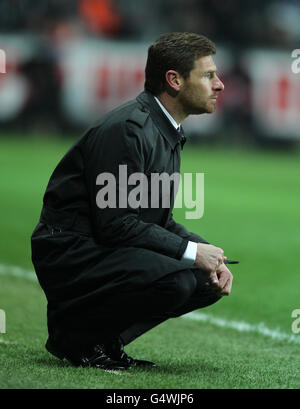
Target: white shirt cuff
[(189, 256)]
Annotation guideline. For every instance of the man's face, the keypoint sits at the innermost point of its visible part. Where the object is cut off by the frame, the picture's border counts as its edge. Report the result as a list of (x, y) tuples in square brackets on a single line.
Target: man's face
[(199, 92)]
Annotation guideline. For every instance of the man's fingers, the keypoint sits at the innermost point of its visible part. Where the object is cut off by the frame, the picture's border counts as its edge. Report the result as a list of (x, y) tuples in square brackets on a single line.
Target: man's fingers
[(214, 280), (225, 283), (220, 262), (222, 259), (221, 280), (209, 258), (220, 256), (227, 288)]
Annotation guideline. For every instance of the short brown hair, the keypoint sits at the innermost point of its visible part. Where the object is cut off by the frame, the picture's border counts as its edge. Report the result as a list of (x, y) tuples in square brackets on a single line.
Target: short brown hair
[(174, 51)]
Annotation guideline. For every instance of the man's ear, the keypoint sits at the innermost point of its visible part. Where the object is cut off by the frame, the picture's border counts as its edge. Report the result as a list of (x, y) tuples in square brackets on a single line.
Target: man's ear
[(174, 80)]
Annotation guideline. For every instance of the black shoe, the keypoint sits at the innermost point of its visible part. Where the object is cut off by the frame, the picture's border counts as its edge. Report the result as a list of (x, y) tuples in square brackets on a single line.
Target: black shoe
[(96, 358), (116, 351)]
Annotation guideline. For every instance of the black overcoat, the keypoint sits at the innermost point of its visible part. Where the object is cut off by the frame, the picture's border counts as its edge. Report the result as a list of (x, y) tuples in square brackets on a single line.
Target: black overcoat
[(83, 253)]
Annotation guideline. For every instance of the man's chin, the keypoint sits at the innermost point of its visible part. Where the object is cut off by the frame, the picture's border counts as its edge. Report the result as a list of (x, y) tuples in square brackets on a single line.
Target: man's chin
[(210, 108)]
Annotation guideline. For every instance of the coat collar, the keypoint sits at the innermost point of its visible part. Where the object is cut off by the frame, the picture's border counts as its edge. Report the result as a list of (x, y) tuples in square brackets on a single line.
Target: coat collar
[(159, 118)]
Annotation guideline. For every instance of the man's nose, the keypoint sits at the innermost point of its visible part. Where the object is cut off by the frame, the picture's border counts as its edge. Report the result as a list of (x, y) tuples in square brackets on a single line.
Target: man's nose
[(218, 85)]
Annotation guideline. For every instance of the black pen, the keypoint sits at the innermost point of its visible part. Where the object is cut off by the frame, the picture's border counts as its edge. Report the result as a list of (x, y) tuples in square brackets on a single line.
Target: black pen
[(231, 262)]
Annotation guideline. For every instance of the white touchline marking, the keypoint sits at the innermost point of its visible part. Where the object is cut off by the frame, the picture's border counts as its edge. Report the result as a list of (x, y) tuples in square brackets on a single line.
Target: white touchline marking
[(115, 372), (240, 326), (16, 271), (243, 326), (3, 341)]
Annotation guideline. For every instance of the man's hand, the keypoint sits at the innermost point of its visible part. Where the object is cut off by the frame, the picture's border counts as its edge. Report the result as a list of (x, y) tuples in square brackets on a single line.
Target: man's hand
[(209, 257), (211, 260), (221, 280)]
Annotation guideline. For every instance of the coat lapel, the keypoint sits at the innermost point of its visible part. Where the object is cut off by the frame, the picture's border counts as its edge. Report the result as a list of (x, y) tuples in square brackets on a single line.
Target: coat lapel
[(159, 118)]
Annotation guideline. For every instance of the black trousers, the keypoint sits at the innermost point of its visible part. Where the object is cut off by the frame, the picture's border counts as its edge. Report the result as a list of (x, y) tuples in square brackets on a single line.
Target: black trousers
[(130, 313), (173, 296), (96, 294)]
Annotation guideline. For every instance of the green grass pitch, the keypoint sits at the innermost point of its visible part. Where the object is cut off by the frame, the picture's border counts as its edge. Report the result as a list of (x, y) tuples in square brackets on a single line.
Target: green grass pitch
[(251, 210)]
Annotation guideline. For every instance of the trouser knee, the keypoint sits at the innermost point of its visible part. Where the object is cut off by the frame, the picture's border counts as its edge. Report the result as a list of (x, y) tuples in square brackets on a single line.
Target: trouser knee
[(177, 288)]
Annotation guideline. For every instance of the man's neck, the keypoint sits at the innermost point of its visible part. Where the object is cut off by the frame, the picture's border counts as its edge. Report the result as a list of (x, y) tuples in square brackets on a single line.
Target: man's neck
[(168, 115), (172, 106)]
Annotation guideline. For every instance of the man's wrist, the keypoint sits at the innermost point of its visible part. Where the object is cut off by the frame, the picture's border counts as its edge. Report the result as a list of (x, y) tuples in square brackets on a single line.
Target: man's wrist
[(189, 256)]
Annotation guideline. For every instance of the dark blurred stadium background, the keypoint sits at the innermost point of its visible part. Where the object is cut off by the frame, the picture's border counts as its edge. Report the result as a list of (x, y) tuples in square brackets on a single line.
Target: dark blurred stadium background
[(69, 61)]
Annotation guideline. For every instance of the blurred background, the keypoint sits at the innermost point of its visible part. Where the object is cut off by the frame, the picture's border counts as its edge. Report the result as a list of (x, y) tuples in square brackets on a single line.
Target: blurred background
[(68, 62)]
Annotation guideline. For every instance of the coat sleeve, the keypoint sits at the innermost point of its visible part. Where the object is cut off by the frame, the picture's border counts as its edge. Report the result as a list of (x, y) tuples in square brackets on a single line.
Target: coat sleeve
[(108, 147), (181, 231)]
